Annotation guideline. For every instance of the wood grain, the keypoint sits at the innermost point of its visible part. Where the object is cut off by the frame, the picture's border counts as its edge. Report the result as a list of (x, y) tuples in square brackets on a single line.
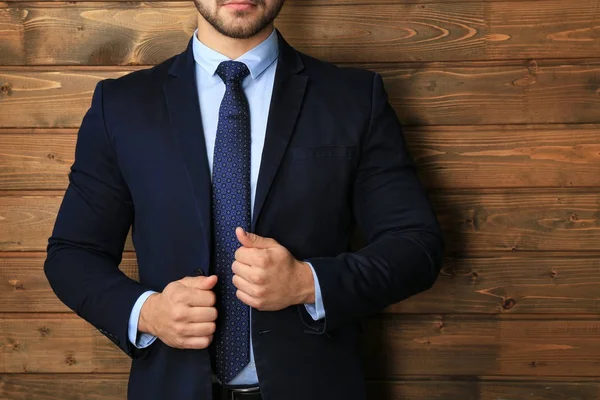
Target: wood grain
[(472, 220), (506, 156), (392, 346), (114, 387), (24, 287), (447, 157), (473, 345), (422, 94), (27, 219), (516, 220), (36, 161), (495, 283), (146, 33)]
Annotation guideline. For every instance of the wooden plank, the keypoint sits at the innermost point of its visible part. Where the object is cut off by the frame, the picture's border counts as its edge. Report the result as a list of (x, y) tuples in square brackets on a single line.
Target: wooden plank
[(474, 345), (63, 386), (448, 157), (39, 162), (392, 347), (27, 219), (114, 387), (515, 220), (24, 287), (548, 92), (146, 33), (479, 389), (472, 220), (495, 283), (506, 156), (52, 98), (514, 283)]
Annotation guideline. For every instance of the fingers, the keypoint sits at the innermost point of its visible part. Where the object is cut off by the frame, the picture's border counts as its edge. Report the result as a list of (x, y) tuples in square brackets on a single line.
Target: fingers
[(193, 298), (201, 314), (197, 329), (197, 343), (252, 240), (249, 300), (254, 257), (247, 287), (199, 282)]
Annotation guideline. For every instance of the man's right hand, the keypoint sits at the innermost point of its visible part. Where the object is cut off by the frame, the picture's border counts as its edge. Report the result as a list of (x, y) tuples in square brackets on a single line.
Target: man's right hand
[(183, 315)]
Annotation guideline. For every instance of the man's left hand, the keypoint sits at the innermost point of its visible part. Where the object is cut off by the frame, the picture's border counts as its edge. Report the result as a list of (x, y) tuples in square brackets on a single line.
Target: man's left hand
[(267, 276)]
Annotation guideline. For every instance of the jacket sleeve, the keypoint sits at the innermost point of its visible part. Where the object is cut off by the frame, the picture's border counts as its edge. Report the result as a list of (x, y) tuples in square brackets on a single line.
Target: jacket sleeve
[(404, 247), (87, 242)]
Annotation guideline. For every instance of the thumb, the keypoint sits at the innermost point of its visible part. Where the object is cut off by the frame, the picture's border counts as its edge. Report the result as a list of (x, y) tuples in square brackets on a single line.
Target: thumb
[(252, 240), (199, 282)]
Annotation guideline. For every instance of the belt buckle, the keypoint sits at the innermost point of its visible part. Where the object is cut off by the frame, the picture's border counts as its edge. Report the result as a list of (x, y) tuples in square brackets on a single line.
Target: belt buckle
[(234, 391)]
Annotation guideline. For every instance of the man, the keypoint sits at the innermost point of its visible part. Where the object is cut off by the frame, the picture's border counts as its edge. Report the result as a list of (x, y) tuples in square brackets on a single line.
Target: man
[(242, 167)]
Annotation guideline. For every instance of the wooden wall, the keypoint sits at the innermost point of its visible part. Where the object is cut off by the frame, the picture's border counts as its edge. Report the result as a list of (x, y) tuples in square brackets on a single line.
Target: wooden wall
[(501, 100)]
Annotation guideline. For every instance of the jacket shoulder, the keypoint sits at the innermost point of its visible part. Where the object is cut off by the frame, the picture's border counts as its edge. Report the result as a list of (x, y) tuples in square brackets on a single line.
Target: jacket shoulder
[(139, 80), (359, 79)]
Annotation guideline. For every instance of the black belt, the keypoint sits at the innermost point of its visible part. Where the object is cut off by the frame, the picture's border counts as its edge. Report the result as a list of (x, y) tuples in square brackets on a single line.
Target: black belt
[(221, 392)]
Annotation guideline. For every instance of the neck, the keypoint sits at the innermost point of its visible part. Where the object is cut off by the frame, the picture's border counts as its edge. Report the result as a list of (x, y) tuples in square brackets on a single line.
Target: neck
[(230, 47)]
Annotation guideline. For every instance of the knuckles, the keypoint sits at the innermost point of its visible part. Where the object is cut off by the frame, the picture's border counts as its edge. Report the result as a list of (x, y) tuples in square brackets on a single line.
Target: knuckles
[(212, 298), (178, 314)]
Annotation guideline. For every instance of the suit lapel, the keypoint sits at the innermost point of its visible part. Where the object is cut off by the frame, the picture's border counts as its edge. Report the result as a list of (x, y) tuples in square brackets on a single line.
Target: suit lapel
[(286, 101), (184, 110)]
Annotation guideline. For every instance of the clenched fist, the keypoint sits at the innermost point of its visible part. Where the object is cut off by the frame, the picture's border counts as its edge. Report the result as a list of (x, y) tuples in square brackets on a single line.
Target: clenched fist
[(267, 275), (183, 315)]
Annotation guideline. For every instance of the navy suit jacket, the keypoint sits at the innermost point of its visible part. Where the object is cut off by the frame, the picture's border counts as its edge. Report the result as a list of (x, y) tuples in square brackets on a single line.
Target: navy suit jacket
[(334, 158)]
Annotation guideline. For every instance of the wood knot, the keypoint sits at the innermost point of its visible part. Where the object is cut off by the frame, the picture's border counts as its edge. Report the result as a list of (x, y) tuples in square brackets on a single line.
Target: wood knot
[(70, 360), (51, 156), (17, 284), (532, 66), (553, 274), (441, 326), (5, 88), (508, 304), (474, 276), (16, 346), (514, 248), (44, 331), (573, 217)]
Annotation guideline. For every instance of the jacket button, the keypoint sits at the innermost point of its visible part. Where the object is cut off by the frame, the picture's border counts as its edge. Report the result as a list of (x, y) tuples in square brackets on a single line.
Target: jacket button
[(199, 272)]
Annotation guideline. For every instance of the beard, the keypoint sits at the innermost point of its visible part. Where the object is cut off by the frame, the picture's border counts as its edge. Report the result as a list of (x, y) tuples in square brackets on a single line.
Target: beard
[(243, 25)]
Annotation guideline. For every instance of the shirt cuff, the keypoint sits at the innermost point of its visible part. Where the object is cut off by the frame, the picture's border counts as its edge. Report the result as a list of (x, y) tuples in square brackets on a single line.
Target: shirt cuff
[(316, 309), (145, 339)]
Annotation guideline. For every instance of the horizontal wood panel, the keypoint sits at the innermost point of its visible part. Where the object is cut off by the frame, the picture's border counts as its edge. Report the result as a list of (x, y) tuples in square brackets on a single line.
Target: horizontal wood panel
[(393, 346), (447, 157), (529, 220), (24, 287), (147, 33), (114, 387), (506, 156), (26, 221), (423, 94), (472, 220), (469, 345), (496, 283)]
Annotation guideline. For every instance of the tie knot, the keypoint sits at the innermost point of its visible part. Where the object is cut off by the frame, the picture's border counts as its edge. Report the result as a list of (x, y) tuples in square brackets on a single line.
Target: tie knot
[(232, 71)]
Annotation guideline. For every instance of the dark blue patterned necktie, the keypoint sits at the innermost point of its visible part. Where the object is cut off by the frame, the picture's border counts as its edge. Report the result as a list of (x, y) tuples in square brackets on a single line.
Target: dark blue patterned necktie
[(231, 208)]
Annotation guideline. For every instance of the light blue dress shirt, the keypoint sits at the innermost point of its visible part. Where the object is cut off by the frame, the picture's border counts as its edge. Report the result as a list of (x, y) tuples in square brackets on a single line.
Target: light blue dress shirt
[(258, 86)]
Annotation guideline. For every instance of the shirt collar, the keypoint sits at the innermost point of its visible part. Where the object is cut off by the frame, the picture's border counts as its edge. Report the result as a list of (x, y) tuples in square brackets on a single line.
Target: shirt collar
[(257, 60)]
